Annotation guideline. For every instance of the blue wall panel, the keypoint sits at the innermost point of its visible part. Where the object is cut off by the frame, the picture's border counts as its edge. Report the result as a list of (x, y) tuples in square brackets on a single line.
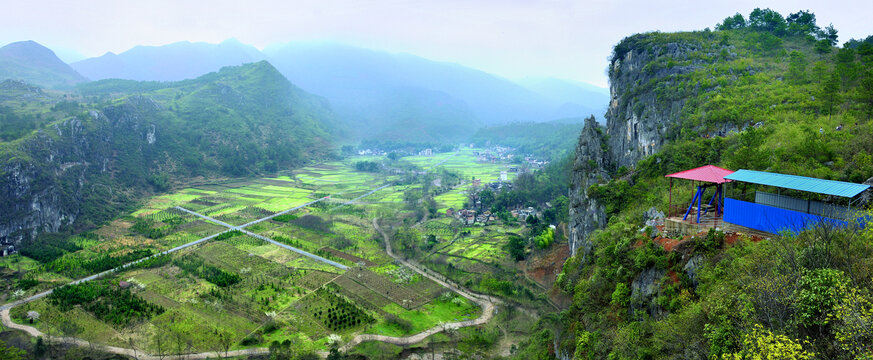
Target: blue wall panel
[(770, 219)]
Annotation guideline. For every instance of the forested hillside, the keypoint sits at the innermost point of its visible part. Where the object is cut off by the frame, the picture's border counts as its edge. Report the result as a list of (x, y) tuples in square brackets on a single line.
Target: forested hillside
[(549, 140), (767, 93), (100, 149)]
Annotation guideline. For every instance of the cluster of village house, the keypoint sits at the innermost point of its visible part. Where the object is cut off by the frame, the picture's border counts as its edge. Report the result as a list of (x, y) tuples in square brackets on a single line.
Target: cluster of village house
[(471, 216), (371, 152)]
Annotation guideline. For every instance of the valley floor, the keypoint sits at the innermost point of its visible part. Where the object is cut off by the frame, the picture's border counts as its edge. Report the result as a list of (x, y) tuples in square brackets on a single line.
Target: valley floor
[(209, 270)]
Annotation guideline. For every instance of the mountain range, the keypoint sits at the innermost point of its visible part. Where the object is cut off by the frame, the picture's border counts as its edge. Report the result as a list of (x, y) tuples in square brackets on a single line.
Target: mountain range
[(375, 94), (36, 64)]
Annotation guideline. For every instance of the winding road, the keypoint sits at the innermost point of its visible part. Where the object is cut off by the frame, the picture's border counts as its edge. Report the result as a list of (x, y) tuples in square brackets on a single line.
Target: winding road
[(486, 303)]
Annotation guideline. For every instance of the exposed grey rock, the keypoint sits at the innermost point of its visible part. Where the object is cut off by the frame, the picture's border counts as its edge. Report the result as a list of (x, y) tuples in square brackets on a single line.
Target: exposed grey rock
[(692, 268), (645, 290), (653, 217), (586, 214)]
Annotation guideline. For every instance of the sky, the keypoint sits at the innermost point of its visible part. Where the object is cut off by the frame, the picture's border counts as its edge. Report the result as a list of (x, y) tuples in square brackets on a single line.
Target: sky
[(512, 38)]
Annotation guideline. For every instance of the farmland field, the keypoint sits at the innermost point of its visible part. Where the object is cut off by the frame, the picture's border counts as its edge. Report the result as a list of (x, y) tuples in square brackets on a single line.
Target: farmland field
[(254, 292)]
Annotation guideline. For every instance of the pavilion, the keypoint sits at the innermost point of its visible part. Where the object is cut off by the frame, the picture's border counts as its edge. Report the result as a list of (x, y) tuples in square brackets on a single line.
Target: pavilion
[(704, 214)]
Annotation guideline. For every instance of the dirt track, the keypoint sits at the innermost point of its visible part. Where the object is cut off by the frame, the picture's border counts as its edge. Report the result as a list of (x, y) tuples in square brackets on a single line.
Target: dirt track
[(486, 302)]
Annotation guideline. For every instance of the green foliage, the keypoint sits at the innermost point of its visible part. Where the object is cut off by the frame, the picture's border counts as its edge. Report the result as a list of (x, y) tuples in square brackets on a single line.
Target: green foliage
[(106, 301), (367, 166), (732, 22), (614, 196), (228, 234), (516, 246), (767, 20), (713, 241), (547, 140), (10, 352), (492, 285), (211, 273), (545, 239), (764, 344), (621, 295), (107, 262), (818, 294), (285, 217), (48, 247)]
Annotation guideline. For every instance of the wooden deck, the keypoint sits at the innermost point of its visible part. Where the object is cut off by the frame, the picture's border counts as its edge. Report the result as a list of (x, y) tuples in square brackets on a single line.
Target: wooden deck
[(691, 227)]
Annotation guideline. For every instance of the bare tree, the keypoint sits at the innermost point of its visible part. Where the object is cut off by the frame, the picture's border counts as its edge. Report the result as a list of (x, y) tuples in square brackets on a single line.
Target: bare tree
[(132, 347), (160, 344), (225, 341)]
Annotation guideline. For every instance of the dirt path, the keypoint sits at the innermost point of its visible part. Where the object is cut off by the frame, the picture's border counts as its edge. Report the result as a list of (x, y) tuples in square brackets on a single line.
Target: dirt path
[(485, 302), (7, 321)]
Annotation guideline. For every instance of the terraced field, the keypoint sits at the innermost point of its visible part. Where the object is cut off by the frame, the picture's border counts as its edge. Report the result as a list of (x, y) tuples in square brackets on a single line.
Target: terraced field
[(275, 294)]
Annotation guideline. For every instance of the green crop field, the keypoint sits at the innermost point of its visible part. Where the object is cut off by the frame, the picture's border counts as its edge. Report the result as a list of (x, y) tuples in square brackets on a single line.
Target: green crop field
[(256, 292)]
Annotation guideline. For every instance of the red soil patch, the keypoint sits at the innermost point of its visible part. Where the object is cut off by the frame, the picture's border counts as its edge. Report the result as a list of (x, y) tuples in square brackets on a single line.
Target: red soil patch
[(544, 268), (673, 276), (667, 243)]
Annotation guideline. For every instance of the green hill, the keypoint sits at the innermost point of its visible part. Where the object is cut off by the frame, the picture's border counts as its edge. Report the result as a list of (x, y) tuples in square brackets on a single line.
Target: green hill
[(33, 63), (548, 140), (771, 93), (100, 149)]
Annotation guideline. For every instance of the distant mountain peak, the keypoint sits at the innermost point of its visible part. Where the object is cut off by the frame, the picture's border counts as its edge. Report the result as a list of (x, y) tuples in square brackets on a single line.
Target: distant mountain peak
[(171, 62), (36, 64)]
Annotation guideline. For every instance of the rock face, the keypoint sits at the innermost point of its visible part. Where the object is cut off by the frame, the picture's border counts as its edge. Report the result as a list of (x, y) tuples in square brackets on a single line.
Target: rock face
[(645, 289), (586, 215), (638, 122), (54, 177)]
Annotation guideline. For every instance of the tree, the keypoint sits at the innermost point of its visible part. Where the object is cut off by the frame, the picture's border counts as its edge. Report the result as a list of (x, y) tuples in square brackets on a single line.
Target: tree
[(516, 247), (823, 47), (10, 352), (32, 316), (562, 208), (764, 344), (819, 293), (767, 20), (732, 22), (829, 33), (132, 344), (796, 67), (159, 343), (830, 92), (802, 23), (866, 91), (487, 198), (846, 66), (225, 341)]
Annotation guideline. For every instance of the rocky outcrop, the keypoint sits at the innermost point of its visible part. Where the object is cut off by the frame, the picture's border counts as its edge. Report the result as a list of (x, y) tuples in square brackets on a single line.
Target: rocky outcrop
[(586, 214), (639, 119), (638, 122), (645, 289), (51, 179)]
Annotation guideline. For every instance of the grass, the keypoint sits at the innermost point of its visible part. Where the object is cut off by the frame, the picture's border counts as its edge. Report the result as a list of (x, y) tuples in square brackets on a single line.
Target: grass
[(441, 310), (274, 279)]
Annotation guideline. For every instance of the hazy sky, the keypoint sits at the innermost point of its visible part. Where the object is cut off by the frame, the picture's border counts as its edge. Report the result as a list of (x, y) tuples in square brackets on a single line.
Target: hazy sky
[(511, 38)]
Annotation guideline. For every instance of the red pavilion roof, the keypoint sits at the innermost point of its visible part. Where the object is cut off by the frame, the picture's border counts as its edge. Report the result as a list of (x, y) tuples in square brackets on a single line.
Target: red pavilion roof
[(708, 173)]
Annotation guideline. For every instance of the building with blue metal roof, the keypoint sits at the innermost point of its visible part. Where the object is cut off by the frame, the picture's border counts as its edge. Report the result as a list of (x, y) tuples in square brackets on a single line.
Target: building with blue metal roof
[(802, 183), (780, 202)]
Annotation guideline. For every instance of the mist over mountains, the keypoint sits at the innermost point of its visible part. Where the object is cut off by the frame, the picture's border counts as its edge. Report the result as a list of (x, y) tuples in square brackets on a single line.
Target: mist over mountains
[(34, 63), (375, 94)]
